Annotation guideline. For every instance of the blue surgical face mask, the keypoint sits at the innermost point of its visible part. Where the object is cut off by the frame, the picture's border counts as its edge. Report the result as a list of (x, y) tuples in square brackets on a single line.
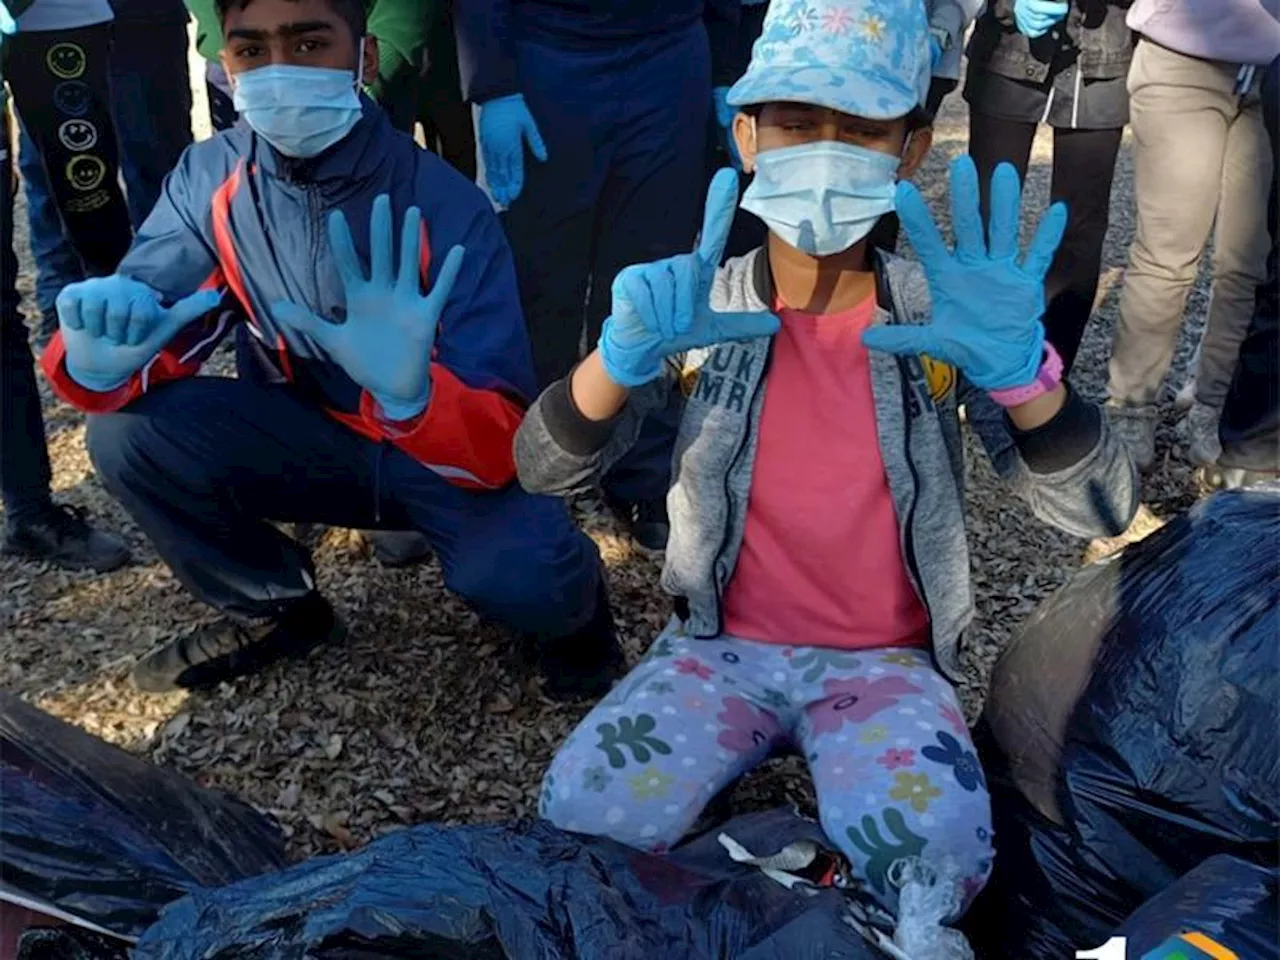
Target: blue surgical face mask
[(301, 111), (822, 197)]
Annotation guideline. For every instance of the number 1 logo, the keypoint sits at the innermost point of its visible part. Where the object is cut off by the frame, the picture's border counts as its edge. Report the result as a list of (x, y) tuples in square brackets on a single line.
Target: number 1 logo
[(1114, 949)]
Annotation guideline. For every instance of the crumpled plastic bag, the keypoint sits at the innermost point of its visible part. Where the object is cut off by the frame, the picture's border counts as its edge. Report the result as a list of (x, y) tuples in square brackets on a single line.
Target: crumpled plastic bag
[(929, 897), (1131, 731), (107, 837), (526, 892)]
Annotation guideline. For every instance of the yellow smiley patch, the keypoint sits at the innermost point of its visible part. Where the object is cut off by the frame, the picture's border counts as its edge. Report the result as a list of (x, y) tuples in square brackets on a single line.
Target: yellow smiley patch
[(940, 376)]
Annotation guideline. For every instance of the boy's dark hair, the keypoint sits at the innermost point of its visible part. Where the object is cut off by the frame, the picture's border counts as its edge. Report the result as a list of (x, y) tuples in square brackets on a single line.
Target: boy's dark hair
[(917, 119), (351, 12)]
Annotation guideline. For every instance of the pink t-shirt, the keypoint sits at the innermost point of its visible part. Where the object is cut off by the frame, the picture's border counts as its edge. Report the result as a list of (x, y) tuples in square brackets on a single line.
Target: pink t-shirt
[(821, 562)]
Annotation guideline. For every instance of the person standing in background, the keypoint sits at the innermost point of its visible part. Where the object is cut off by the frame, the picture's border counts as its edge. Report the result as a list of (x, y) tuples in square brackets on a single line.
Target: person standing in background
[(593, 134), (35, 528), (1064, 64), (1200, 158), (1249, 430), (57, 65), (151, 109), (948, 21)]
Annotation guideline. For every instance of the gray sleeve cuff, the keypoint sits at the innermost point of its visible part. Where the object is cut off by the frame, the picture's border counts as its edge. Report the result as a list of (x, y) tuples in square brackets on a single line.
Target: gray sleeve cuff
[(575, 433), (1065, 440)]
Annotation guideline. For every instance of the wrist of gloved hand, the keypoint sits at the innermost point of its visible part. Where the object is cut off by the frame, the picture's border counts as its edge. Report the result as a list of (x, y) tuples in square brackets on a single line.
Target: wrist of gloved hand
[(98, 383), (397, 409), (1016, 369), (628, 364)]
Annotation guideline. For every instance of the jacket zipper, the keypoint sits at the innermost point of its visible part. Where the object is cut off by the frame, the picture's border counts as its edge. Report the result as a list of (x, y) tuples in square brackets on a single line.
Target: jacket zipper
[(906, 540), (728, 496), (313, 218), (1075, 100)]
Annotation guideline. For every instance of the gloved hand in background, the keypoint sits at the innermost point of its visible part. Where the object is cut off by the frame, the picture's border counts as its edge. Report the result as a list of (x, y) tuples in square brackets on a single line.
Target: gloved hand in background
[(113, 326), (8, 26), (662, 309), (505, 127), (386, 340), (987, 304), (1035, 18), (724, 119)]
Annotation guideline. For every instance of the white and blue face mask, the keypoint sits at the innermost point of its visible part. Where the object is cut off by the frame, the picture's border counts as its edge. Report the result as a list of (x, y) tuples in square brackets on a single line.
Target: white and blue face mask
[(822, 197), (301, 111)]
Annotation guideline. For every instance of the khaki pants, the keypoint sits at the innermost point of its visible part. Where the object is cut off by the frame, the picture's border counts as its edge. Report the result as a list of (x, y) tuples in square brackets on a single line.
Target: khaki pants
[(1201, 156)]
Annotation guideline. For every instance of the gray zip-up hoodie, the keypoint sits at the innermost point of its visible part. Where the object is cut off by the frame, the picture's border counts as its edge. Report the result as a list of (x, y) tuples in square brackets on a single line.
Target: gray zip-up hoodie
[(1072, 471)]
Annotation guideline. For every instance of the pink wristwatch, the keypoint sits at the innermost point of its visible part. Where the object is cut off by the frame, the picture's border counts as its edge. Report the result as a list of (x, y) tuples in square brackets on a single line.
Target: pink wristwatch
[(1047, 379)]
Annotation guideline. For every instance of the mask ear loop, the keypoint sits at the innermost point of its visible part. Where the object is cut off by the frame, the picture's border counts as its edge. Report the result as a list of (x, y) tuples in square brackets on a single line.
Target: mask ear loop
[(902, 157), (364, 37), (755, 139)]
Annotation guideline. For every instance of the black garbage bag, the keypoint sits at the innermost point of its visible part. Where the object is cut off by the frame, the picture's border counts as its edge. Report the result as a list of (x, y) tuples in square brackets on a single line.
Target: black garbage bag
[(1225, 903), (525, 892), (1131, 730), (107, 837), (69, 943)]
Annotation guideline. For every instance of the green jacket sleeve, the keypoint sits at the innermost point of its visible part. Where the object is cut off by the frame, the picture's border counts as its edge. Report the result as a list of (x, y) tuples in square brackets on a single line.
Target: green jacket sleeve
[(208, 28), (401, 27)]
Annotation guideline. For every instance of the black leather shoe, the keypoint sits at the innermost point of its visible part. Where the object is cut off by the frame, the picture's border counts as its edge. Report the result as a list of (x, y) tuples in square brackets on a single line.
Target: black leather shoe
[(399, 548), (210, 654), (62, 536), (584, 664), (645, 520)]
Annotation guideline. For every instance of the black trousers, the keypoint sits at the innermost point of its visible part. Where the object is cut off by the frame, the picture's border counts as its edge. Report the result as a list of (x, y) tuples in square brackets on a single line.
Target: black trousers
[(24, 457), (1083, 164), (61, 87), (202, 463)]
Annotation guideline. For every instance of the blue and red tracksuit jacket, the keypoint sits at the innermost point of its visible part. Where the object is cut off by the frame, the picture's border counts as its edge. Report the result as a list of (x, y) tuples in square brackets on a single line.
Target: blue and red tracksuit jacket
[(235, 214)]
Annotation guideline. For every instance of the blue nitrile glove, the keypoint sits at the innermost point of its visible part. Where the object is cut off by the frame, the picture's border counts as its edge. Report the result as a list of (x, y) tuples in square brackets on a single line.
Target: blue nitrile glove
[(724, 119), (8, 26), (662, 309), (505, 126), (386, 340), (113, 326), (1035, 18), (986, 303)]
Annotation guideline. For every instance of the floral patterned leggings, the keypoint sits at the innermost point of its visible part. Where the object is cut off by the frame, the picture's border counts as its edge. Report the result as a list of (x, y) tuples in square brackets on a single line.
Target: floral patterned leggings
[(891, 758)]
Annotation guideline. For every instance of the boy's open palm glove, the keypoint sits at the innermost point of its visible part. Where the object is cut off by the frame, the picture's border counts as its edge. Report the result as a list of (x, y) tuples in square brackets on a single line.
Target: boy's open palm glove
[(1035, 18), (386, 340), (662, 309), (987, 303), (113, 326)]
